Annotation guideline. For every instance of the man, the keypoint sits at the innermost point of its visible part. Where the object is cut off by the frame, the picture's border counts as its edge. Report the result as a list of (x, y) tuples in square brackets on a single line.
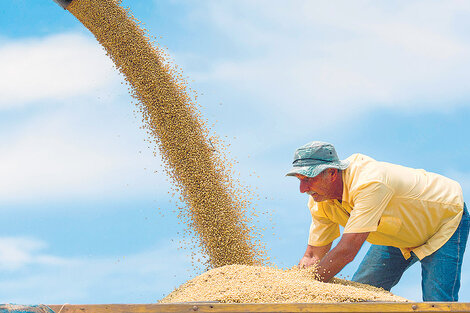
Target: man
[(408, 215)]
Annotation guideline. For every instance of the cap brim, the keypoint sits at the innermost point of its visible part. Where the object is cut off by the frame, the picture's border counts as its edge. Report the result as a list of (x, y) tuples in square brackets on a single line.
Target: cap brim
[(312, 171)]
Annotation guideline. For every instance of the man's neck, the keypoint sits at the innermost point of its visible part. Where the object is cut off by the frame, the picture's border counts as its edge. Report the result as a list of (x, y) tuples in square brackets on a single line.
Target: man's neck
[(339, 187)]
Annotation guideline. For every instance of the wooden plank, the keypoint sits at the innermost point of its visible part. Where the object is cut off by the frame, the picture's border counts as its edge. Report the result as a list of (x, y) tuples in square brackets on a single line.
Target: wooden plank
[(265, 307)]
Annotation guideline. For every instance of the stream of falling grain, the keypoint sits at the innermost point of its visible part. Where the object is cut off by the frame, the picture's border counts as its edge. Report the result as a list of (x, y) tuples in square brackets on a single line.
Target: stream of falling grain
[(216, 207)]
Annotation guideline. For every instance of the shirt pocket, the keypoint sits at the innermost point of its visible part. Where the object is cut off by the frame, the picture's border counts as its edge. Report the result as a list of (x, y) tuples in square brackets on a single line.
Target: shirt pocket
[(389, 225)]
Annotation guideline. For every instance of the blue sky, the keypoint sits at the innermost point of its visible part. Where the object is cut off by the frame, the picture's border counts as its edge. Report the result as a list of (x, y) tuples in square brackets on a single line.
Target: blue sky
[(84, 218)]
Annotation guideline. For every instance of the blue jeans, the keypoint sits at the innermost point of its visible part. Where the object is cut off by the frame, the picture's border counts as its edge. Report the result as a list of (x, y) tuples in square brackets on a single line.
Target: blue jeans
[(383, 266)]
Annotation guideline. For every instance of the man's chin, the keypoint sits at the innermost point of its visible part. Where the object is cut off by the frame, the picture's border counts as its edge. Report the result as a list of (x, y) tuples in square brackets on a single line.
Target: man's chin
[(318, 198)]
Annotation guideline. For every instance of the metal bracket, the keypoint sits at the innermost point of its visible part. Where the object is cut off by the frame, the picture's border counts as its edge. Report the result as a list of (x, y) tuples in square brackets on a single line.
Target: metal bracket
[(15, 308), (63, 3)]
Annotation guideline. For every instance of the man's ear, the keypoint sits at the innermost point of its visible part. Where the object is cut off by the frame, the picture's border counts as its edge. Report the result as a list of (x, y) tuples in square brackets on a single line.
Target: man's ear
[(333, 173)]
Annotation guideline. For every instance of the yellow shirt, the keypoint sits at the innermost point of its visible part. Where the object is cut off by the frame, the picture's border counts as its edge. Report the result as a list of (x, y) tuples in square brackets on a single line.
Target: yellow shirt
[(407, 208)]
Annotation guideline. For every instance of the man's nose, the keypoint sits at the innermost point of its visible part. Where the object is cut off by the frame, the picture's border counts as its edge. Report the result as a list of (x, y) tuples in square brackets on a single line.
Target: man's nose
[(303, 186)]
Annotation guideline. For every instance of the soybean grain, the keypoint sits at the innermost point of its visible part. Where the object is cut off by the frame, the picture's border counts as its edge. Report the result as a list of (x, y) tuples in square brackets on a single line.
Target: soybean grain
[(260, 284)]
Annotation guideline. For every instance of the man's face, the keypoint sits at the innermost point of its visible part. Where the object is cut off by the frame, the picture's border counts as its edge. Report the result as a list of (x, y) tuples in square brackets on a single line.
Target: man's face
[(319, 187)]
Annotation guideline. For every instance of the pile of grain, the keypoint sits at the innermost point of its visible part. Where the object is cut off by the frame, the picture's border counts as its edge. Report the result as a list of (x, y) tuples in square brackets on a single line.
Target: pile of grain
[(218, 209), (259, 284)]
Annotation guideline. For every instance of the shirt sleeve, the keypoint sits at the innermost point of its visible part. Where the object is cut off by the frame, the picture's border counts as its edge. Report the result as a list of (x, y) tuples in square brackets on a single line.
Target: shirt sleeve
[(370, 201), (322, 230)]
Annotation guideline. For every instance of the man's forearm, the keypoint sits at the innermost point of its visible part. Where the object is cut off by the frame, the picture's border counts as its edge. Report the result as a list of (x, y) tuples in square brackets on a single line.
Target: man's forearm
[(344, 252), (332, 263)]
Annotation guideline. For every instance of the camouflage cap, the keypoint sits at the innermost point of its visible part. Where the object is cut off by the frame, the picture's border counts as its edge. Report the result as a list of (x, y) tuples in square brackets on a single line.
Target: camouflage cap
[(315, 157)]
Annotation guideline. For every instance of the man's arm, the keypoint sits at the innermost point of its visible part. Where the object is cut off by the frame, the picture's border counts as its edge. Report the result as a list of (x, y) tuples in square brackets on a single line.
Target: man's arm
[(344, 252), (314, 255)]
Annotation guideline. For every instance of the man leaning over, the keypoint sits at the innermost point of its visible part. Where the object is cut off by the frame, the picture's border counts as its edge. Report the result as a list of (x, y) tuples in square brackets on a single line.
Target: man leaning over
[(407, 214)]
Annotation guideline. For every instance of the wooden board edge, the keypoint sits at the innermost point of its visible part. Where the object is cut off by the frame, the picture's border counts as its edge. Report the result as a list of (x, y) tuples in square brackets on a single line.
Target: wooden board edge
[(265, 307)]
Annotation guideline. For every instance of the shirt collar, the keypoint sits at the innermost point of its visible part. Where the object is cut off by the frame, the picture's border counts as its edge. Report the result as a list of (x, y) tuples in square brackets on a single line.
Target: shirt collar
[(345, 176)]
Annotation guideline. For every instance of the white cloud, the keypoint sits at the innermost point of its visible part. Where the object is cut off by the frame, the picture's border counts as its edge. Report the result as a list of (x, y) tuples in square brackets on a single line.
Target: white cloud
[(88, 146), (341, 58), (136, 278), (72, 153), (463, 178), (18, 252), (56, 67)]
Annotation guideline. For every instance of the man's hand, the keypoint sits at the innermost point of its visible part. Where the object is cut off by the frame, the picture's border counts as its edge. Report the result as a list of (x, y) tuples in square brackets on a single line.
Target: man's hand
[(307, 261), (313, 255)]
